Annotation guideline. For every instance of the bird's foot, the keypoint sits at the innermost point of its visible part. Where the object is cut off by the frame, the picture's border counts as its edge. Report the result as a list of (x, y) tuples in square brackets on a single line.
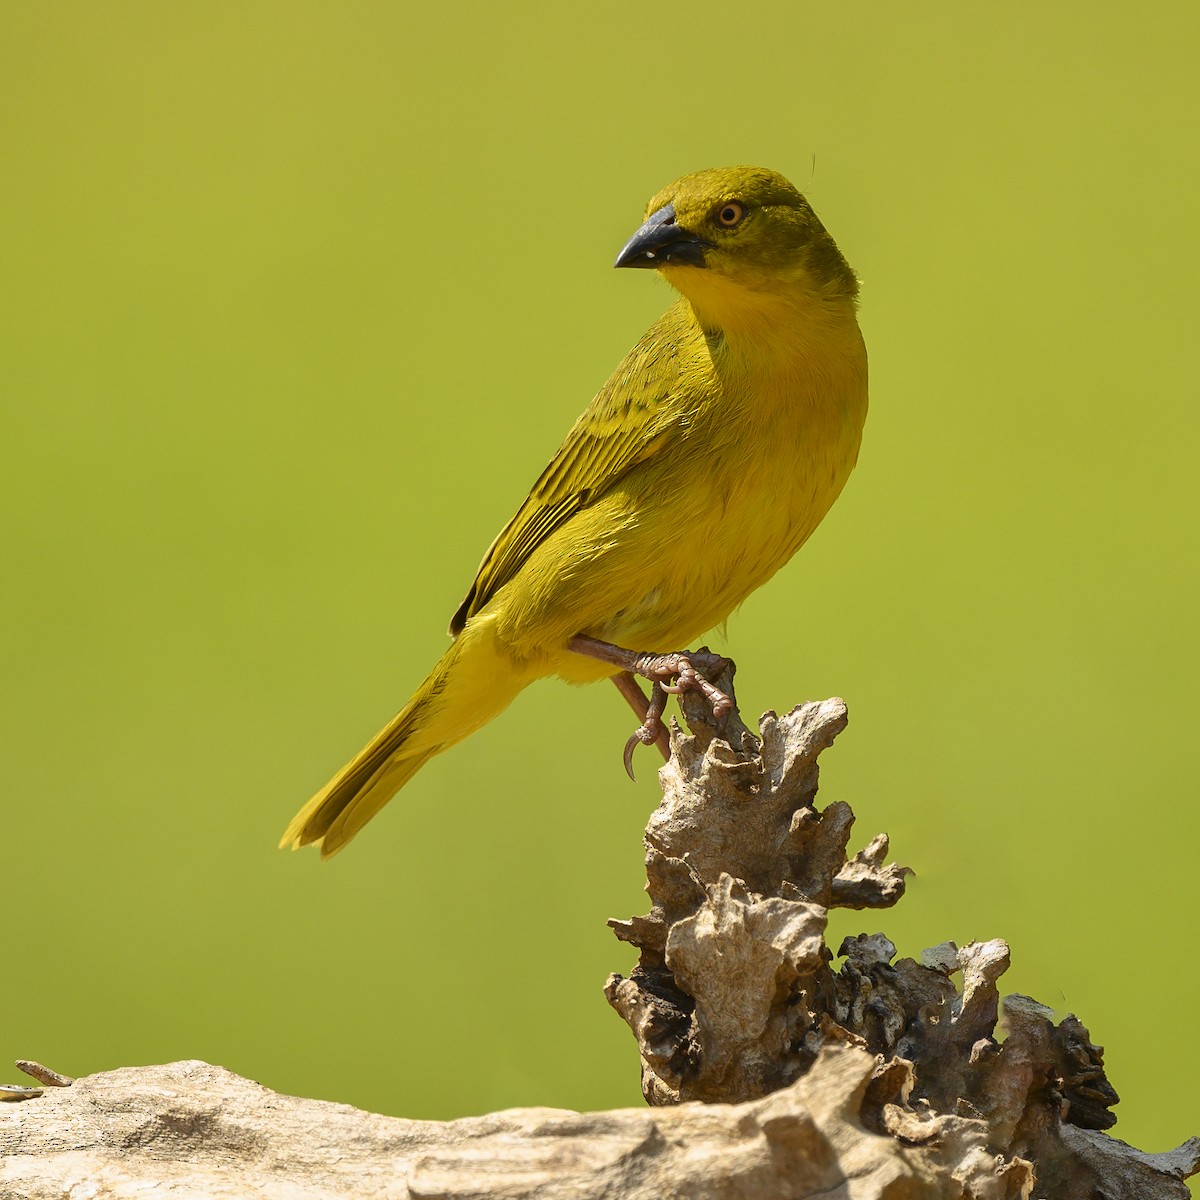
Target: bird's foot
[(651, 730), (669, 674), (690, 669)]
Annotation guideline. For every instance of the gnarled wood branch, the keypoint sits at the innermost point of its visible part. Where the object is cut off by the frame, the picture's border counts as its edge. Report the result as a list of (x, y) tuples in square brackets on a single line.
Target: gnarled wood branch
[(882, 1080), (735, 994)]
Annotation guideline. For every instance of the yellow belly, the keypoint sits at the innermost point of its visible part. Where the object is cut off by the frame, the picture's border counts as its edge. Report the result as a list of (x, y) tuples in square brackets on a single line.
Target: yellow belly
[(674, 548)]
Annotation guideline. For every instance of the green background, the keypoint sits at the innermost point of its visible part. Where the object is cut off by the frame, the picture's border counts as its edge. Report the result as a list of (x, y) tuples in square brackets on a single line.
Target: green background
[(297, 301)]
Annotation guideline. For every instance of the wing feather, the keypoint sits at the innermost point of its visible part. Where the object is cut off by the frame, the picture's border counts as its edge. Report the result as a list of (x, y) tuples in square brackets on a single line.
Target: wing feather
[(636, 415)]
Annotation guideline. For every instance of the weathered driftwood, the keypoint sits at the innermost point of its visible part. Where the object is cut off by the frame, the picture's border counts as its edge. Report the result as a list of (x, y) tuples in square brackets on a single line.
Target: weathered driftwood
[(735, 993), (879, 1081), (197, 1131)]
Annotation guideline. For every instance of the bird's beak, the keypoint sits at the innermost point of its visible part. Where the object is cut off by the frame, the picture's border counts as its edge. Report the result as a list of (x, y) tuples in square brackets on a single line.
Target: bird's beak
[(660, 243)]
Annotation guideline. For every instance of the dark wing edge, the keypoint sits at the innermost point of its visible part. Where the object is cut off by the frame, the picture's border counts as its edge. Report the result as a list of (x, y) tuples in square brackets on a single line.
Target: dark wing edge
[(531, 525)]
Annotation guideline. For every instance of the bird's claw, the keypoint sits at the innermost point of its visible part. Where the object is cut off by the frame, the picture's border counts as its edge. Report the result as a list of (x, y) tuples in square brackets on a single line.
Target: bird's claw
[(651, 728), (686, 672), (669, 675), (627, 757)]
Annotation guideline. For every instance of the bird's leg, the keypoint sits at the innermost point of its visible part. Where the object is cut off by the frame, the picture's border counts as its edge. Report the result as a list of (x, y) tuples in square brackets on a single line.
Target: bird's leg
[(651, 730), (688, 668), (668, 674)]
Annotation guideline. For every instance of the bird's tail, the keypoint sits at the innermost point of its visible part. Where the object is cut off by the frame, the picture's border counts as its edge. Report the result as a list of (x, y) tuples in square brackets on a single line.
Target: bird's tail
[(472, 683)]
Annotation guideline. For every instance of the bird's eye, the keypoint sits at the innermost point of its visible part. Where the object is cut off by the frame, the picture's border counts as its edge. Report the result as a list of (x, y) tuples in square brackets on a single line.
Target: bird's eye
[(731, 214)]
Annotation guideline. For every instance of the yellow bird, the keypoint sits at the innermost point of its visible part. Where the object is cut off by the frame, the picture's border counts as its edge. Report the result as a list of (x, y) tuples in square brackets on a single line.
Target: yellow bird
[(699, 469)]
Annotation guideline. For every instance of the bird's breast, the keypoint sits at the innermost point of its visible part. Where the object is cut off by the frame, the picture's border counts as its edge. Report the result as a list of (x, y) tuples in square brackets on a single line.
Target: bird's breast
[(746, 488), (764, 443)]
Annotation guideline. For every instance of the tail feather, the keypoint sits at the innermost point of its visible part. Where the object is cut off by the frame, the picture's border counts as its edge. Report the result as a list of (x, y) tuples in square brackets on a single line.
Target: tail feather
[(471, 684)]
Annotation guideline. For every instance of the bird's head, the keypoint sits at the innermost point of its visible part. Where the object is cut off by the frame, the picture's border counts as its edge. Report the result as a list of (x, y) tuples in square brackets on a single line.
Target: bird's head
[(736, 240)]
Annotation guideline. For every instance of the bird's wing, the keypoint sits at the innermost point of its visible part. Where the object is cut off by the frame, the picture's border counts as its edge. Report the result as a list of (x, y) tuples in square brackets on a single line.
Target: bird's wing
[(635, 416)]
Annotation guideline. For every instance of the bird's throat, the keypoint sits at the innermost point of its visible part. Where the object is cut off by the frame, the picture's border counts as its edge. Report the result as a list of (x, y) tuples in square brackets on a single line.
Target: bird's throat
[(764, 319)]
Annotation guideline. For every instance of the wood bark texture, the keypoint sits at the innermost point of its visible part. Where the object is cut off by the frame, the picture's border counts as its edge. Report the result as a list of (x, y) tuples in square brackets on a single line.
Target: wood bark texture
[(735, 993), (768, 1073)]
